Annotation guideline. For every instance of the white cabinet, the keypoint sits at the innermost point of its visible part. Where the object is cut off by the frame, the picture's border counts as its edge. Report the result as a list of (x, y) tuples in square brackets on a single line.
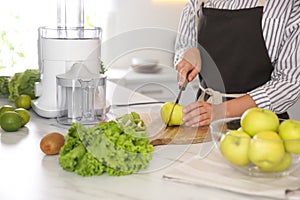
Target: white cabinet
[(161, 86)]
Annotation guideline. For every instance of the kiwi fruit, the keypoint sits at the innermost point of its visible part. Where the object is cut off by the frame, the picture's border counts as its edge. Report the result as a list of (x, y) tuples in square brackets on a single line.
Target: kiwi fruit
[(51, 143)]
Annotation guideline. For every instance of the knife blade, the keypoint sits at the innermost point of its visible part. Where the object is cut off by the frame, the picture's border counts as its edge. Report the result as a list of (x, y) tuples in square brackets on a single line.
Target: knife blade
[(181, 88)]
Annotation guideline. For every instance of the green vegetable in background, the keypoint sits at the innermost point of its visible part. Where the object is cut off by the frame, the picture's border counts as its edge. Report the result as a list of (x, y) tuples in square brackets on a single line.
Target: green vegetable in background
[(118, 147), (23, 83), (4, 80), (103, 69)]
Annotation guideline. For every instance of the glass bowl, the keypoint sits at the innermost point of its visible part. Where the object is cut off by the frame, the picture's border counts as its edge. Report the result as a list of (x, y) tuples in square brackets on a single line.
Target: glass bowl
[(250, 155)]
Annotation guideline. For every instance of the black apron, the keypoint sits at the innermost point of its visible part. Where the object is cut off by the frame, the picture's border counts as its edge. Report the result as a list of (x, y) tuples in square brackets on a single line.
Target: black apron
[(235, 42)]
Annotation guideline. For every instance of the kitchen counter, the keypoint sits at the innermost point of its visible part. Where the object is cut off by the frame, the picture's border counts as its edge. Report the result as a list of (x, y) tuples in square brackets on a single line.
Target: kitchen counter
[(26, 173)]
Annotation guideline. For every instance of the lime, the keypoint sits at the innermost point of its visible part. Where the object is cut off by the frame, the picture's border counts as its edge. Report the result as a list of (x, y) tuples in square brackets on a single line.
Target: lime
[(10, 121), (6, 108), (24, 114), (23, 101)]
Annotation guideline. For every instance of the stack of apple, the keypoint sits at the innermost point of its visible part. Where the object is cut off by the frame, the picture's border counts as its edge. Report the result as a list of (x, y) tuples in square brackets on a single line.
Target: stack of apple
[(262, 140)]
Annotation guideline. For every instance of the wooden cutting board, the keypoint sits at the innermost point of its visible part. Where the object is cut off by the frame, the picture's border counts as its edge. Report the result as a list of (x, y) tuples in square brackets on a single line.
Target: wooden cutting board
[(158, 135)]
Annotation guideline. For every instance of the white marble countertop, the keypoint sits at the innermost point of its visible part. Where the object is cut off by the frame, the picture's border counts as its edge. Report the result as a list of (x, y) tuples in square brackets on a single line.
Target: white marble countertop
[(26, 173)]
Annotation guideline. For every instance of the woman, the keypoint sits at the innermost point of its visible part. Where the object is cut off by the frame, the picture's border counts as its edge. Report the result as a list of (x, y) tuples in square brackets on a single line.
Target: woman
[(255, 45)]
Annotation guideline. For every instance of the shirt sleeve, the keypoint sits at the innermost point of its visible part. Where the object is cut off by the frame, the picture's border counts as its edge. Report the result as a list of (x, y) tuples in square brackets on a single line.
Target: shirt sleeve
[(283, 90), (187, 30)]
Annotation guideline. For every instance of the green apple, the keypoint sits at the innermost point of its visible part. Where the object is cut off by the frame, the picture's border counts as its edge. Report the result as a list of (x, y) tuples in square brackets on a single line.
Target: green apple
[(289, 131), (266, 149), (234, 146), (176, 118), (283, 165), (255, 120)]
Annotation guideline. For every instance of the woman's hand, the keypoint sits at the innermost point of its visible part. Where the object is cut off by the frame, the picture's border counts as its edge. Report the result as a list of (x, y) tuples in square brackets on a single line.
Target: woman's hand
[(190, 62), (183, 68), (197, 114), (201, 113)]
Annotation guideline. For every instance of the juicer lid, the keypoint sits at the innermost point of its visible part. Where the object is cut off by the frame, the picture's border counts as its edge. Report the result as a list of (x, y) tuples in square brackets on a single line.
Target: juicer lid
[(79, 71)]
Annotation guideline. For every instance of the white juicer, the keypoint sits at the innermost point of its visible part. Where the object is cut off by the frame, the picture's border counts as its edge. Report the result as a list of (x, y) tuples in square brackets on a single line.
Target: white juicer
[(60, 48)]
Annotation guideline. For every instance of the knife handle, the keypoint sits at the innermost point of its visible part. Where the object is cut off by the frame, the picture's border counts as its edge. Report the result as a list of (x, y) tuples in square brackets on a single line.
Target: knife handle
[(185, 82), (184, 85)]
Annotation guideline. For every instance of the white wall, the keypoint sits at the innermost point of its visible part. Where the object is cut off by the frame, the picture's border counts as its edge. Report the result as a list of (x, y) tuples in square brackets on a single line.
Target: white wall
[(128, 22), (131, 14)]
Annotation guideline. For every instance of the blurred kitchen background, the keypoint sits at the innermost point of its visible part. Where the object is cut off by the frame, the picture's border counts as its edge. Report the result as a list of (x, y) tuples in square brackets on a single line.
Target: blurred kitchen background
[(21, 19), (144, 29)]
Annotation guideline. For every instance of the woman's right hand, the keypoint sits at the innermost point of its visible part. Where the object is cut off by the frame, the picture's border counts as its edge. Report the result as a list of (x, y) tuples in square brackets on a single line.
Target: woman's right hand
[(183, 68), (190, 63)]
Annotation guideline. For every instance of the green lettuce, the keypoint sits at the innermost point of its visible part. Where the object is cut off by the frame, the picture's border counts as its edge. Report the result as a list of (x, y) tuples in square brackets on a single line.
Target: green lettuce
[(118, 147), (23, 83), (4, 80)]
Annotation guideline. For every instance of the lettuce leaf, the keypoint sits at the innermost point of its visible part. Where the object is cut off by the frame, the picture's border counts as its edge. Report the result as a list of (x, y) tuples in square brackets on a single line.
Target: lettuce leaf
[(4, 80), (108, 147), (23, 83)]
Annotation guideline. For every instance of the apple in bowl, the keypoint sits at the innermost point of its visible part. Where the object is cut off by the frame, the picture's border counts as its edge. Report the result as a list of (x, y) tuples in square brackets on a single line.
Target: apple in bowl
[(255, 120), (269, 151), (289, 131), (266, 150), (234, 146)]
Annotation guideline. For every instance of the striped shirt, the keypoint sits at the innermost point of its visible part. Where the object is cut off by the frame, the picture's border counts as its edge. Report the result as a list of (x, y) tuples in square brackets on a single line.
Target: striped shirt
[(281, 31)]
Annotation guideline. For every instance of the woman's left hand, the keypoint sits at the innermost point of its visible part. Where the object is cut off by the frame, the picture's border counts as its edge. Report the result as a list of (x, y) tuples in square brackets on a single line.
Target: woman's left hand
[(201, 113), (197, 114)]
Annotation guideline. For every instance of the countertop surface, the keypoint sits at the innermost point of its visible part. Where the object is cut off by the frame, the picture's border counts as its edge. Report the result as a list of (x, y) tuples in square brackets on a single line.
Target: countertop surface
[(26, 173)]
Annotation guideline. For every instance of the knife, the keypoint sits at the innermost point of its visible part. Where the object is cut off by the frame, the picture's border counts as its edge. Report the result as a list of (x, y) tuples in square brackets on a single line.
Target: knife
[(181, 88)]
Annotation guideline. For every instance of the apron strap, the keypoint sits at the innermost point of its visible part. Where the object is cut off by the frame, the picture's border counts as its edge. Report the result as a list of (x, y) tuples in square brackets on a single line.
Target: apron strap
[(199, 4), (216, 97), (261, 3)]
